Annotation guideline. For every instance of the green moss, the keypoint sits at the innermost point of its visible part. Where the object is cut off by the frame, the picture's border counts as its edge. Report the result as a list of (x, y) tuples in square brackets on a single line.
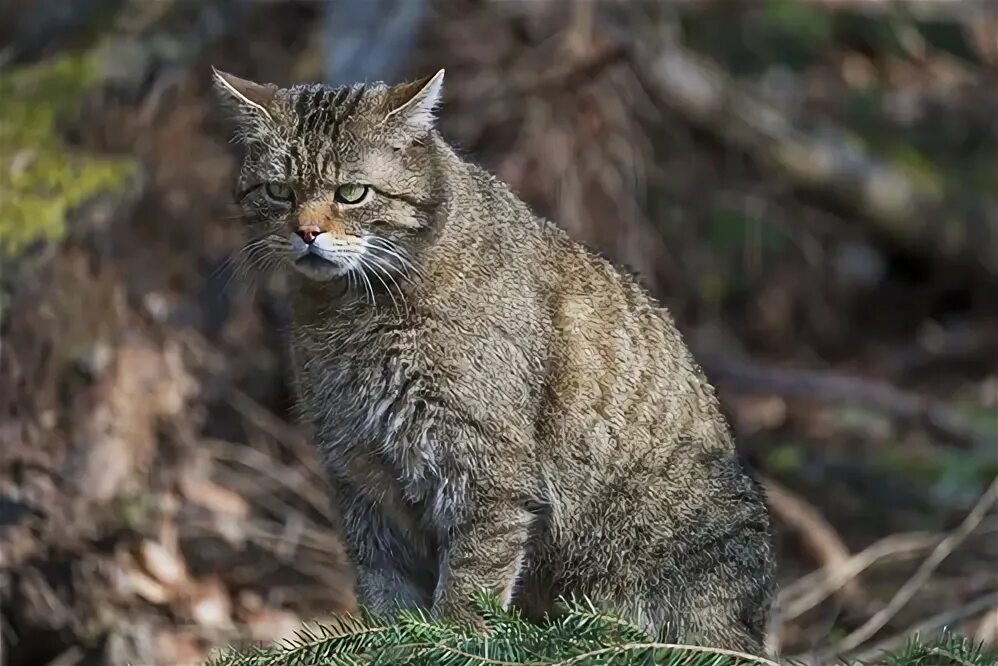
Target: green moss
[(924, 174), (713, 287), (919, 468), (784, 459), (796, 32), (950, 477), (138, 511), (41, 178)]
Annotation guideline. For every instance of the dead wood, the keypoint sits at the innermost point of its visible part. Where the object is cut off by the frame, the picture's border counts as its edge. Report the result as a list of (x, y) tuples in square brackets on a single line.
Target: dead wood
[(936, 418), (818, 537), (953, 541), (948, 224)]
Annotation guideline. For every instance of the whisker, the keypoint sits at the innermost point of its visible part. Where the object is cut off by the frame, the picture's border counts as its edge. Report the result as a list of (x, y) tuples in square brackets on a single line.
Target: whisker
[(233, 257), (377, 274), (391, 248), (242, 267), (367, 282), (257, 259), (383, 266), (337, 257), (385, 261), (351, 280)]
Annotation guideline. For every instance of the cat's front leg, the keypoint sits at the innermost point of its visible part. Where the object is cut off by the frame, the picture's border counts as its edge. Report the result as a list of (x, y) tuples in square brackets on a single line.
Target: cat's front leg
[(386, 581), (485, 554), (384, 590)]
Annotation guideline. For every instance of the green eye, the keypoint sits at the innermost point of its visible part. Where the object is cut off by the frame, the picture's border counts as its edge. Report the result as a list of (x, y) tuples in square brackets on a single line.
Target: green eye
[(351, 194), (279, 192)]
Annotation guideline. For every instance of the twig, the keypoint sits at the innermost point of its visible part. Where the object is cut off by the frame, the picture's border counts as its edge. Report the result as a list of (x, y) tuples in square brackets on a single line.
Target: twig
[(935, 417), (939, 621), (952, 657), (633, 647), (267, 422), (286, 477), (819, 537), (810, 590), (967, 342), (924, 572)]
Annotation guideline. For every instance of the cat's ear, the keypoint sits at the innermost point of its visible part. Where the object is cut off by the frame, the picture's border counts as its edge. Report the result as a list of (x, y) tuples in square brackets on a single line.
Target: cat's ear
[(412, 105), (248, 99)]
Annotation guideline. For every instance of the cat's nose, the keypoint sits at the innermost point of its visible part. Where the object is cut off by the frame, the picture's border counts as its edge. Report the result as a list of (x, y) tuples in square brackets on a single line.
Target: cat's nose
[(308, 233)]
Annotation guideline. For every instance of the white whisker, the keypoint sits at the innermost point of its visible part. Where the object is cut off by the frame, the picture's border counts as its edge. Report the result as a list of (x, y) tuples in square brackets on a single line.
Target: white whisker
[(391, 248), (377, 274), (254, 260), (386, 267), (367, 282)]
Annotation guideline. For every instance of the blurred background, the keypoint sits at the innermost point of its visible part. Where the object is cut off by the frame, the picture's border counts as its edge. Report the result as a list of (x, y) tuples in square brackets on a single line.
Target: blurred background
[(810, 186)]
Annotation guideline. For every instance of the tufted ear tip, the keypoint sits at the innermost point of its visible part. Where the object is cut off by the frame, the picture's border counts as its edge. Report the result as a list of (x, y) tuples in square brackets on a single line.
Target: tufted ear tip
[(415, 103), (243, 92)]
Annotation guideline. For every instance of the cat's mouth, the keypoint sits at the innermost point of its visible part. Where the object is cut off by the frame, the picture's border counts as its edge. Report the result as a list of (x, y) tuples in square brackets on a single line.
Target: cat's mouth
[(316, 264)]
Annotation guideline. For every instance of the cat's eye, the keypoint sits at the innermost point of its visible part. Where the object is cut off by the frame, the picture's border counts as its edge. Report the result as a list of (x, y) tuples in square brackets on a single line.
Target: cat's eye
[(351, 194), (280, 192)]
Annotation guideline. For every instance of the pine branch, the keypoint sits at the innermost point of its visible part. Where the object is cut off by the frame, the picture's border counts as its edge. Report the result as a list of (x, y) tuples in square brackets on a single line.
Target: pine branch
[(582, 636)]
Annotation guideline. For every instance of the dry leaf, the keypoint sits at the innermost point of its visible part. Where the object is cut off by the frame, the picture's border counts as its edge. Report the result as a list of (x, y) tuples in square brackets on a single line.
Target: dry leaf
[(273, 625), (210, 605), (136, 582), (214, 497), (164, 564)]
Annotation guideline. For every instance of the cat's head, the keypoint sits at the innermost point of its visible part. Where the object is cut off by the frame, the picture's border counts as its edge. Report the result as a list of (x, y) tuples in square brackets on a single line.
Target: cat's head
[(336, 182)]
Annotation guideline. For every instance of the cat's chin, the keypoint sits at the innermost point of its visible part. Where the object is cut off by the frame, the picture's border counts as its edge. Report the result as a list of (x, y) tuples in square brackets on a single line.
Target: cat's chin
[(318, 269)]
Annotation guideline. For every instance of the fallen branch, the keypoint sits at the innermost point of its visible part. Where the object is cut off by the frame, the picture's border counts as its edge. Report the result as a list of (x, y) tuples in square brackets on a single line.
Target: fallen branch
[(818, 537), (955, 226), (966, 343), (810, 590), (918, 580), (938, 419)]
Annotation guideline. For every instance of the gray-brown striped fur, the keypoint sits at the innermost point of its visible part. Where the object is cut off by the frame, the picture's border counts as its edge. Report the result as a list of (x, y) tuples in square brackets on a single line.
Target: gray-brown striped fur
[(511, 412)]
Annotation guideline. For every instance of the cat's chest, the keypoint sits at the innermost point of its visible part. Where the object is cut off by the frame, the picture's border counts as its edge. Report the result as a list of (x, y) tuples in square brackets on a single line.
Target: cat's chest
[(371, 401)]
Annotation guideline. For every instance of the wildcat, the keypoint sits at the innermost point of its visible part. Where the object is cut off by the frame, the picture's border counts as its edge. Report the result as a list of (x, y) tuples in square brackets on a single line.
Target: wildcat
[(497, 407)]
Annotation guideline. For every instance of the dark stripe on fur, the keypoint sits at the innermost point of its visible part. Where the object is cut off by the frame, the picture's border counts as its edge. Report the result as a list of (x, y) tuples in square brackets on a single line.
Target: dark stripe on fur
[(334, 108), (348, 109)]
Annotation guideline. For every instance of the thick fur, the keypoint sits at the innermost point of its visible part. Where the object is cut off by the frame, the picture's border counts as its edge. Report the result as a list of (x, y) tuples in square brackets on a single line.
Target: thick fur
[(509, 411)]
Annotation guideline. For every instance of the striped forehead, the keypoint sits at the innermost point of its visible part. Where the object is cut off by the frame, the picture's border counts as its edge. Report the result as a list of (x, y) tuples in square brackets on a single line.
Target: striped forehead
[(320, 109), (319, 114)]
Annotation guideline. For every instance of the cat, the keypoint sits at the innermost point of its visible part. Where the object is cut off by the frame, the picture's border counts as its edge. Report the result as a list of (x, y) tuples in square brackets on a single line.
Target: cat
[(498, 408)]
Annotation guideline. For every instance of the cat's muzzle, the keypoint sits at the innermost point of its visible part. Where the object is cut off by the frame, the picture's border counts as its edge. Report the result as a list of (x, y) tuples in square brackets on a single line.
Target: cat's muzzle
[(322, 259)]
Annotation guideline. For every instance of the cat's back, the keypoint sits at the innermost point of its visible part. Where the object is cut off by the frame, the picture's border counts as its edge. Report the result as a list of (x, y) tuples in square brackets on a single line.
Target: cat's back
[(529, 301), (618, 359)]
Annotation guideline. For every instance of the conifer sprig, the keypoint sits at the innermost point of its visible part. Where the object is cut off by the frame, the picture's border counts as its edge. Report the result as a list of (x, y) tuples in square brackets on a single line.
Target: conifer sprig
[(582, 636)]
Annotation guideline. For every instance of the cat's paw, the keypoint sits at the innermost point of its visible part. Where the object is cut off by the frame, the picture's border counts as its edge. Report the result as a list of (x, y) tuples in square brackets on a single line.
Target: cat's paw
[(464, 615)]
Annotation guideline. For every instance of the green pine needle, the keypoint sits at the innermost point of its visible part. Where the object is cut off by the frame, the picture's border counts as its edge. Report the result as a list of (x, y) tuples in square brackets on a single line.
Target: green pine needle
[(582, 636)]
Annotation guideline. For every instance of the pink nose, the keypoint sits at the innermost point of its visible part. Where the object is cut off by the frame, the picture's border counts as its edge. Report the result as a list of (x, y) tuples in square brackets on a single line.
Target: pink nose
[(308, 233)]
